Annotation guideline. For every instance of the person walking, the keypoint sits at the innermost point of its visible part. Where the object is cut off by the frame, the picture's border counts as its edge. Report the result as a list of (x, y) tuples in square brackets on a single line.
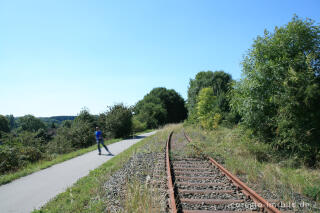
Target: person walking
[(99, 140)]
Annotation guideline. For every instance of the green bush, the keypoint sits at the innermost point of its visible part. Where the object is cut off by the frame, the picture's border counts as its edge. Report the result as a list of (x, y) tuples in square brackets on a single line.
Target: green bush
[(29, 154), (81, 134), (9, 158), (118, 121), (85, 116), (61, 142), (138, 126)]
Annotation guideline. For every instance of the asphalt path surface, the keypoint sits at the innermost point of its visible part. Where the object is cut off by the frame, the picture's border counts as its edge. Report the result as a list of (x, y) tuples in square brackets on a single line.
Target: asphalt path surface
[(33, 191)]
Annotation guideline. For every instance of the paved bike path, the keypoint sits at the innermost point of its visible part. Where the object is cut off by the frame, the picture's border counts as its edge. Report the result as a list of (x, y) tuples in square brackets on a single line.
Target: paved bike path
[(33, 191)]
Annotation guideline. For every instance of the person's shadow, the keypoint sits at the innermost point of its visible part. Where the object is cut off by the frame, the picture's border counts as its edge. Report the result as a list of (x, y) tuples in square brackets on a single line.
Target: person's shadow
[(137, 137), (108, 154)]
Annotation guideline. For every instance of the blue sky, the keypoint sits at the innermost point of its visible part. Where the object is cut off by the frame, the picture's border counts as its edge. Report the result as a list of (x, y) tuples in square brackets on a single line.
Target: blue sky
[(58, 56)]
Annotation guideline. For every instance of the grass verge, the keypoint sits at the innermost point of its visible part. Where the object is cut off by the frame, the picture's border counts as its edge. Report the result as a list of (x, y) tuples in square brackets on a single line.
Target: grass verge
[(258, 165), (43, 164)]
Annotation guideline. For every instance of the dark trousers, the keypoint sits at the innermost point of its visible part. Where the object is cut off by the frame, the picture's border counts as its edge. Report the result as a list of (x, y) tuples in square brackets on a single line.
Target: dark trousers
[(100, 141)]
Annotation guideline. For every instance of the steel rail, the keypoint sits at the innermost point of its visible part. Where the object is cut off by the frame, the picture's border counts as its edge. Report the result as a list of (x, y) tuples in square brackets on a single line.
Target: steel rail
[(172, 201), (267, 207)]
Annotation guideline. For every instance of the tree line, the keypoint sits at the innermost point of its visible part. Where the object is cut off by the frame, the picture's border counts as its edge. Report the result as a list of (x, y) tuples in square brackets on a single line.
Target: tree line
[(277, 101), (29, 139)]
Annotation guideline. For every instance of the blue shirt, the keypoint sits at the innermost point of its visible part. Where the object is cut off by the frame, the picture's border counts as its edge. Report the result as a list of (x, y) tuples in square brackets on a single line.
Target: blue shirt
[(98, 135)]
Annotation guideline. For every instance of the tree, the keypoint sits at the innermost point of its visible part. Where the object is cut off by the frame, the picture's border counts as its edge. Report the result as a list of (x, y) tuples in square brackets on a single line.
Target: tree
[(118, 121), (67, 123), (161, 106), (12, 122), (207, 108), (219, 81), (31, 123), (279, 94), (153, 114), (85, 115), (4, 124)]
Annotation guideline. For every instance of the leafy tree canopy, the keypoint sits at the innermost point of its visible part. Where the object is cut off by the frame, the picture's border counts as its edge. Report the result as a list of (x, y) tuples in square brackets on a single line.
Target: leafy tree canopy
[(161, 106), (207, 109), (12, 122), (85, 116), (220, 84), (118, 121), (279, 94), (31, 123), (4, 124)]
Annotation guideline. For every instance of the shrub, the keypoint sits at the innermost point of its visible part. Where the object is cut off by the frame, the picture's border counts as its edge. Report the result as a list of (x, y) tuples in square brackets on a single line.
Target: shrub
[(61, 142), (216, 120), (29, 154), (9, 158), (118, 121), (138, 126), (81, 134), (85, 116)]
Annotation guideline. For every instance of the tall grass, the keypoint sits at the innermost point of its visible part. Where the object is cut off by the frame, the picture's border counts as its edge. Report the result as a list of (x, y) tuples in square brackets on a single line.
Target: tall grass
[(142, 198), (257, 163)]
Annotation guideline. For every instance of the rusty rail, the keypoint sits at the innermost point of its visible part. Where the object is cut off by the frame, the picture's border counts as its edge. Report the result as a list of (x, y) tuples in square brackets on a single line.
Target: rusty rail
[(265, 205), (172, 202)]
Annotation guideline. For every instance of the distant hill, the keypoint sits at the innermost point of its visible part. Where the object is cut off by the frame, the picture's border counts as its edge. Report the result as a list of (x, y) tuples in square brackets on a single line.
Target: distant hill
[(56, 119)]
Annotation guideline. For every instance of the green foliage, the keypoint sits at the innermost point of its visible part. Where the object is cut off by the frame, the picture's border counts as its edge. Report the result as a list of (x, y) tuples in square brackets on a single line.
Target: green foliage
[(85, 116), (18, 151), (81, 134), (67, 139), (313, 192), (206, 108), (279, 94), (4, 124), (161, 106), (152, 114), (61, 143), (12, 122), (66, 123), (216, 120), (118, 121), (9, 158), (172, 102), (219, 82), (31, 123), (58, 120), (138, 126)]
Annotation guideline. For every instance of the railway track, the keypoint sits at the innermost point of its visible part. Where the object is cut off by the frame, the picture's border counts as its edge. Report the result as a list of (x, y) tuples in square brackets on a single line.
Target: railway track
[(201, 185)]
